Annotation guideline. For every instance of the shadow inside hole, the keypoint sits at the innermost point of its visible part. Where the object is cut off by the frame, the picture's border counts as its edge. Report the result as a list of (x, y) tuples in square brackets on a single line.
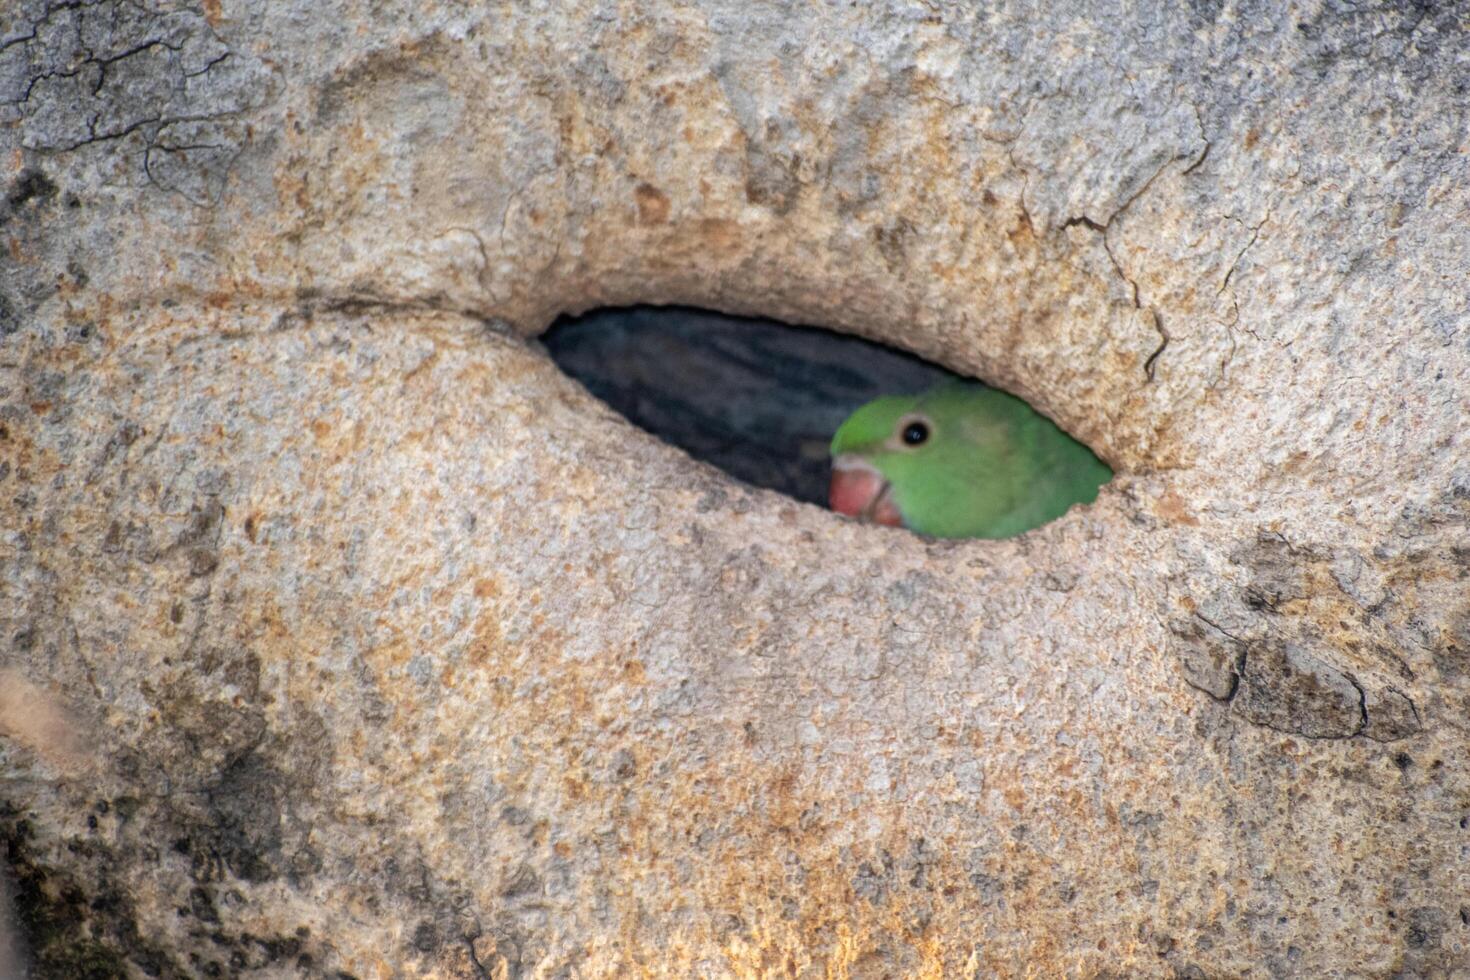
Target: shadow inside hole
[(757, 398)]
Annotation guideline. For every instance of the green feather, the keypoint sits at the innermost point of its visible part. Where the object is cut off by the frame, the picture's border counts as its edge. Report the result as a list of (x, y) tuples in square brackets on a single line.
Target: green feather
[(991, 467)]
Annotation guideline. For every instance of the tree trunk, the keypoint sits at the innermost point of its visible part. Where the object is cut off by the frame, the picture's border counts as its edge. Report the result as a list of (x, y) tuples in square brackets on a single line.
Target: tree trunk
[(341, 632)]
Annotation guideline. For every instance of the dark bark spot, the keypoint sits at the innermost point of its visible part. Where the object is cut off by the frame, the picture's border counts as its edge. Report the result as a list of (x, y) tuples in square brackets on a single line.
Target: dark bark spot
[(31, 185)]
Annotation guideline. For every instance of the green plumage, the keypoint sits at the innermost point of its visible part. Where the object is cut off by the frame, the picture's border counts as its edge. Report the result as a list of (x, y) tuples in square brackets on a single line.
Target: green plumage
[(990, 467)]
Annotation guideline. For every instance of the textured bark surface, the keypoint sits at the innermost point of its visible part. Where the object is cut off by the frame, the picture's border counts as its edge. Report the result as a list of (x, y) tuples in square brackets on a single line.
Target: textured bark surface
[(341, 632)]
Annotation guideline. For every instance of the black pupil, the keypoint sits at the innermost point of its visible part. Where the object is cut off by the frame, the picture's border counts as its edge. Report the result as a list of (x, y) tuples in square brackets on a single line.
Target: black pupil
[(915, 433)]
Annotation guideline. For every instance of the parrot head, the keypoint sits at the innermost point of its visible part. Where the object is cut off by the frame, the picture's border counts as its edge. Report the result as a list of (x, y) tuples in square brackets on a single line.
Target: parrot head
[(962, 460), (885, 440)]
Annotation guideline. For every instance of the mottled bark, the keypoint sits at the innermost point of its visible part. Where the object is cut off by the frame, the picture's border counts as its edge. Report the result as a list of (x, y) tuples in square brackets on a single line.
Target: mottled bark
[(352, 636)]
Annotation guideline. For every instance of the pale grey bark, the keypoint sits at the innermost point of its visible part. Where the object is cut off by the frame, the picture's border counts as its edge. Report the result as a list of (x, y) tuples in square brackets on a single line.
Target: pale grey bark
[(379, 645)]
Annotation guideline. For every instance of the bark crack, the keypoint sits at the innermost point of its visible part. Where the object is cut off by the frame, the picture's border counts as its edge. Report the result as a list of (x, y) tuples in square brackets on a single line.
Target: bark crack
[(1104, 228), (44, 18), (1237, 669), (1235, 263)]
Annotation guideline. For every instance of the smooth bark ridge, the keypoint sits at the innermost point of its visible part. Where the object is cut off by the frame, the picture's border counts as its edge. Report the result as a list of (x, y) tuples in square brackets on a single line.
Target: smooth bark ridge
[(339, 631)]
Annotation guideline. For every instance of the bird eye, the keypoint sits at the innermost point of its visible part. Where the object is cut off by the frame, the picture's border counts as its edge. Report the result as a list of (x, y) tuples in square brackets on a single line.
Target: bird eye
[(915, 434)]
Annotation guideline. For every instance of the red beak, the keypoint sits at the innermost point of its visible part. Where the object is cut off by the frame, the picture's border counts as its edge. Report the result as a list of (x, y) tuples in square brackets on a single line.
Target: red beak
[(860, 491)]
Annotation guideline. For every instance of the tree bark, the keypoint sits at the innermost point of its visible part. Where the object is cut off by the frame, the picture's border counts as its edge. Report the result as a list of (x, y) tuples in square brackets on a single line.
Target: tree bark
[(341, 632)]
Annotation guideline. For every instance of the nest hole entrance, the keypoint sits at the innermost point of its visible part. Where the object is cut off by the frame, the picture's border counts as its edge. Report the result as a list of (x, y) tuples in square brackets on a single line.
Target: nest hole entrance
[(758, 398)]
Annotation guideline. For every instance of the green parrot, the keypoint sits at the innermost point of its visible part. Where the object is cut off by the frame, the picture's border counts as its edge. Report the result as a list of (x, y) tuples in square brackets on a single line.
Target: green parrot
[(960, 461)]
